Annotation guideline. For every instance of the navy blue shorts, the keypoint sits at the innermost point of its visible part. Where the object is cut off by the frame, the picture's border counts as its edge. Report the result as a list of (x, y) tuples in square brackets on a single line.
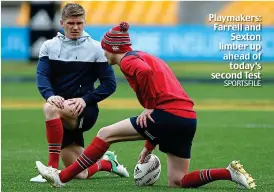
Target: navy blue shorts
[(86, 121), (172, 133)]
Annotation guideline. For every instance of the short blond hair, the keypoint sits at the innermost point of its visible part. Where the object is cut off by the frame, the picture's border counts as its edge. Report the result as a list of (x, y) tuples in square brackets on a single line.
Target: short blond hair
[(72, 10)]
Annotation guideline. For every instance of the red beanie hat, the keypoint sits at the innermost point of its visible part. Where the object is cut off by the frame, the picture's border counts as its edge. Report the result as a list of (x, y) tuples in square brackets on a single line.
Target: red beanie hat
[(117, 39)]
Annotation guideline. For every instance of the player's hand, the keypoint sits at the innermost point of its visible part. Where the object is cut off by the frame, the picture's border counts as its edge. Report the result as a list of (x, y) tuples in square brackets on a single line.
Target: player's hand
[(57, 101), (78, 105), (142, 118), (145, 152)]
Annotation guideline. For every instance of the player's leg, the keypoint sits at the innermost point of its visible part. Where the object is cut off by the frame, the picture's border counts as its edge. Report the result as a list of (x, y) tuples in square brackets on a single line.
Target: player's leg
[(177, 168), (73, 139), (121, 131), (55, 119), (176, 142), (73, 147), (108, 163), (178, 175), (126, 130), (73, 143), (59, 122), (178, 156), (70, 153)]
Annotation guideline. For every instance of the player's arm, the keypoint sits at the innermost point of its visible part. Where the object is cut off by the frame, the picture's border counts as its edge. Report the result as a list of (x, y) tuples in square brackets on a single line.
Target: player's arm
[(43, 73), (148, 148), (145, 80), (149, 145), (146, 85), (107, 80), (144, 76)]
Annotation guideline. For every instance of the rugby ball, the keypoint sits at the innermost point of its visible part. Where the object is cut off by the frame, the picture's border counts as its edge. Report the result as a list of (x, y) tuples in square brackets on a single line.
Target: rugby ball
[(148, 172)]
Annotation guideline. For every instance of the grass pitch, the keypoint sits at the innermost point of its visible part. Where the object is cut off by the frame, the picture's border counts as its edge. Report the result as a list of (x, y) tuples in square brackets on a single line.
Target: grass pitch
[(240, 127), (221, 137)]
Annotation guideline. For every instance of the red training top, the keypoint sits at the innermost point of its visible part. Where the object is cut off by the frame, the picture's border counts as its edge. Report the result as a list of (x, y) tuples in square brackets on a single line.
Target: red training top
[(155, 84)]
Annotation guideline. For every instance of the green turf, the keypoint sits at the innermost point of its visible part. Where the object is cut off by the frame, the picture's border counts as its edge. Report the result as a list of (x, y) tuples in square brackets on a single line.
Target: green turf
[(221, 137), (29, 91), (186, 70)]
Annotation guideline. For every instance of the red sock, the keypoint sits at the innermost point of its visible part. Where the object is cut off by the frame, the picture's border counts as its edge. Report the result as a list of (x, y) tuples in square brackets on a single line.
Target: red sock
[(201, 177), (93, 152), (54, 130), (101, 165)]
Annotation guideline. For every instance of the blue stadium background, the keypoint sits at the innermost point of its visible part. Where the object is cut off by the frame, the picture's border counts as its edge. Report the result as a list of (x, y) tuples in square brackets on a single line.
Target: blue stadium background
[(185, 36)]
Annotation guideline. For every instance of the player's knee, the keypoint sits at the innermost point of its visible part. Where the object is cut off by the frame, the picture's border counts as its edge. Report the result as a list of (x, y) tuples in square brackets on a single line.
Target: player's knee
[(66, 105), (66, 112), (105, 134), (51, 111), (175, 180)]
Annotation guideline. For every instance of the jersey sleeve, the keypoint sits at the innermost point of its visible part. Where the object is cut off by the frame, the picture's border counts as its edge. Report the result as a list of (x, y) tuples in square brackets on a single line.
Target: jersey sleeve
[(144, 75), (43, 73)]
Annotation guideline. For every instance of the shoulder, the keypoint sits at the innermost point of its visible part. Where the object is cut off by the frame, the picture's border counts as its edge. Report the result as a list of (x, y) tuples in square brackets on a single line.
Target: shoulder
[(95, 46), (130, 57), (51, 42), (94, 43), (129, 63), (134, 60), (47, 46), (44, 50)]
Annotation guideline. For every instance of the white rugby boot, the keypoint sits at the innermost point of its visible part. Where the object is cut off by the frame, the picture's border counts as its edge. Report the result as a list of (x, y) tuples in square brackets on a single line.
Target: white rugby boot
[(38, 179), (50, 174), (240, 176)]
